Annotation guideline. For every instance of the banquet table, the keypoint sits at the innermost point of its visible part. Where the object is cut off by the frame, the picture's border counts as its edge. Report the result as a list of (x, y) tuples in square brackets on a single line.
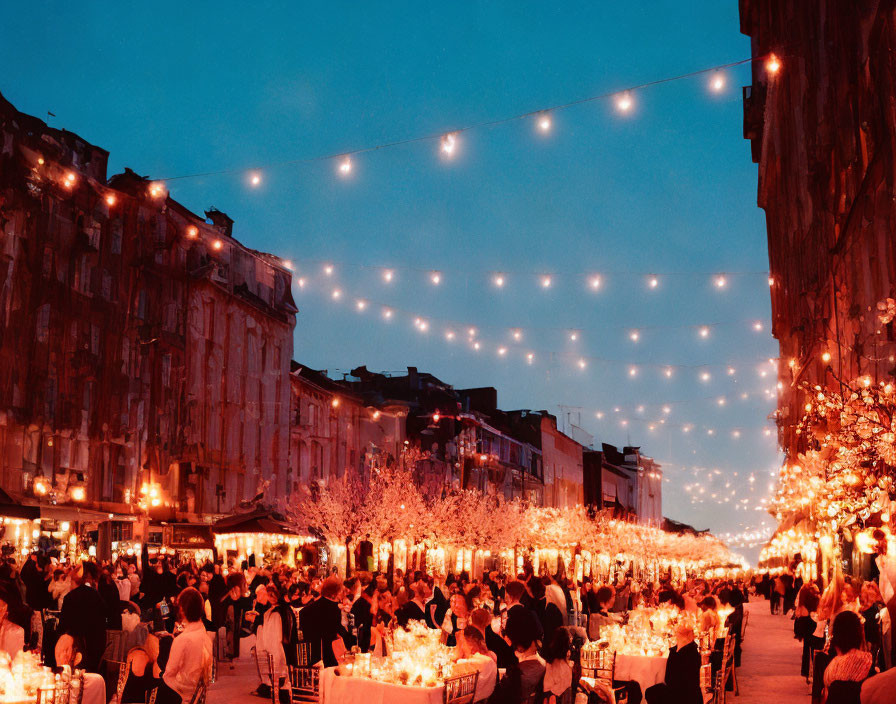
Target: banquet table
[(646, 670), (336, 689)]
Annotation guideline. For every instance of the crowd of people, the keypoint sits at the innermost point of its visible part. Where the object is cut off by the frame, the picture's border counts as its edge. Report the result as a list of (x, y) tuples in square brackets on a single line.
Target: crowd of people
[(525, 625), (846, 630)]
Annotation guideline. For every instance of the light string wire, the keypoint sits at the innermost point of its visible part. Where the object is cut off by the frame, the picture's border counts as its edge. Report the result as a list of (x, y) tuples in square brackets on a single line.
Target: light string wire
[(434, 136)]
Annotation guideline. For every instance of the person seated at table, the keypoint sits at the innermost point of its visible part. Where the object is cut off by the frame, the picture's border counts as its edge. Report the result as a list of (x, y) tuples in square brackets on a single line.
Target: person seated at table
[(481, 620), (525, 678), (514, 593), (708, 620), (69, 652), (735, 621), (682, 681), (852, 663), (456, 618), (471, 647), (189, 661), (415, 609), (558, 672), (606, 597), (12, 636), (321, 624)]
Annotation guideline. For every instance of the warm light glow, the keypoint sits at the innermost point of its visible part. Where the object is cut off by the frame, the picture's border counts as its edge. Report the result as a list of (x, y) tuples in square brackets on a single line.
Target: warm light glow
[(757, 326), (498, 280), (471, 332), (717, 82), (633, 371), (436, 417), (704, 376), (721, 282), (192, 232), (78, 493), (771, 280), (573, 336), (653, 282), (388, 275), (624, 102), (502, 351), (476, 346), (387, 313), (825, 357), (530, 357), (376, 415), (704, 332), (582, 364), (217, 245), (449, 334), (517, 335), (111, 200), (287, 264), (435, 277), (546, 281), (544, 122), (634, 336), (345, 166), (156, 190), (773, 65), (668, 372), (40, 486), (731, 371), (361, 304), (667, 410), (255, 179), (40, 160), (301, 282), (594, 282), (337, 294), (448, 144), (328, 269)]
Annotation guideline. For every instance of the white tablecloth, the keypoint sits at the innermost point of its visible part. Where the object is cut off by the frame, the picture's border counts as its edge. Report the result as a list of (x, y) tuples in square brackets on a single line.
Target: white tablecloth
[(352, 690), (94, 689), (645, 670)]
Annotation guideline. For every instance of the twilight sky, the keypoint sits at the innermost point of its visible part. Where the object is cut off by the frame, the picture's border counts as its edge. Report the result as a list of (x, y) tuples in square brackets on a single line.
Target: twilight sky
[(173, 88)]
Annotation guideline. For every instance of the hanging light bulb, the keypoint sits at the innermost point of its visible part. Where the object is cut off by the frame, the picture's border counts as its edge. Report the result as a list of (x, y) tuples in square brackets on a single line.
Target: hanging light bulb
[(544, 122), (449, 335), (634, 336), (328, 269), (633, 371), (111, 199), (192, 232), (825, 357), (337, 294), (668, 372), (653, 282), (546, 281), (502, 351), (773, 65), (345, 166), (498, 280), (582, 364), (573, 336), (530, 357), (517, 335), (704, 376), (361, 304), (435, 277), (476, 346), (717, 82), (255, 179), (217, 245), (594, 283), (624, 102), (704, 332), (471, 332), (721, 281), (448, 144), (388, 275), (667, 410), (387, 313)]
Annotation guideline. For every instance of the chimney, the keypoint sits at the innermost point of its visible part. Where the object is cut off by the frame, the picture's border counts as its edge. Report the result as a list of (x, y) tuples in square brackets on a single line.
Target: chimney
[(221, 221)]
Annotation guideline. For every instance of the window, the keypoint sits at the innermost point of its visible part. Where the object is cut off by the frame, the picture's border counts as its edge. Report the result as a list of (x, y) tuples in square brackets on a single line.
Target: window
[(94, 339), (115, 240), (107, 286), (166, 370)]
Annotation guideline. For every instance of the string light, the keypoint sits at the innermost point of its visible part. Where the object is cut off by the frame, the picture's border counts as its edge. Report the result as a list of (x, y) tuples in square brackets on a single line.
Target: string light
[(388, 275), (217, 245), (544, 122), (717, 82), (704, 332), (449, 335), (530, 357), (704, 376), (573, 336), (70, 179), (156, 190), (328, 269), (111, 200), (594, 282), (517, 335), (345, 166), (192, 232), (502, 351), (721, 282), (435, 277), (476, 346), (546, 282), (624, 102), (653, 282), (498, 280), (825, 357), (387, 313), (633, 371), (337, 294), (361, 304), (582, 364), (634, 336), (448, 144), (773, 65), (668, 372), (255, 179), (757, 326)]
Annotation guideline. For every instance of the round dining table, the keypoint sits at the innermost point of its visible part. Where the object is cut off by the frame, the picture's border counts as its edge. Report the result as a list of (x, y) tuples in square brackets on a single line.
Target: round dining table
[(646, 670)]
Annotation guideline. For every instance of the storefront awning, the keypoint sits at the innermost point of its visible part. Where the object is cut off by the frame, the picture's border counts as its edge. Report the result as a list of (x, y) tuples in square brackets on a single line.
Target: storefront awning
[(76, 513), (10, 508), (257, 521)]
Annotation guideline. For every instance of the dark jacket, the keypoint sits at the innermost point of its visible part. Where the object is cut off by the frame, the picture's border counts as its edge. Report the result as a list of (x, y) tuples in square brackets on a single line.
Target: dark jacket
[(83, 615), (321, 624), (683, 675)]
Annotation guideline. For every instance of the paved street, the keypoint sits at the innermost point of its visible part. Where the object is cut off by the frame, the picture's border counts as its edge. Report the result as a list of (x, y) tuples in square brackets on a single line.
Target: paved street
[(770, 670), (770, 667)]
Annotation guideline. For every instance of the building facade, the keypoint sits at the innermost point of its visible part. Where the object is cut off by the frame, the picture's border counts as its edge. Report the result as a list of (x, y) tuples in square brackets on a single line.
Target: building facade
[(821, 130), (144, 352)]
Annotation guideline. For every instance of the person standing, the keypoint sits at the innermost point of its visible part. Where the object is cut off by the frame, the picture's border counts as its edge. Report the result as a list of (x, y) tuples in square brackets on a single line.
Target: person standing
[(321, 624), (83, 616)]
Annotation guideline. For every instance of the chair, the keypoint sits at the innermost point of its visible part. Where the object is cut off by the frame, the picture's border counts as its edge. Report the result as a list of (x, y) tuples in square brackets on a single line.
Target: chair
[(601, 665), (200, 693), (743, 627), (304, 678), (461, 689), (121, 671), (76, 687), (116, 646), (151, 695)]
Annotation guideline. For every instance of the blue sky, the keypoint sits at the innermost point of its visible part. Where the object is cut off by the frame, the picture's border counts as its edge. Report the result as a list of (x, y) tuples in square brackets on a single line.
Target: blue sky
[(177, 88)]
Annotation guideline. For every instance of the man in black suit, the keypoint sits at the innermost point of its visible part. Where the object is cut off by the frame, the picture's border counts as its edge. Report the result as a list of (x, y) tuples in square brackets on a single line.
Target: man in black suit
[(481, 619), (321, 624), (682, 681), (83, 616)]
